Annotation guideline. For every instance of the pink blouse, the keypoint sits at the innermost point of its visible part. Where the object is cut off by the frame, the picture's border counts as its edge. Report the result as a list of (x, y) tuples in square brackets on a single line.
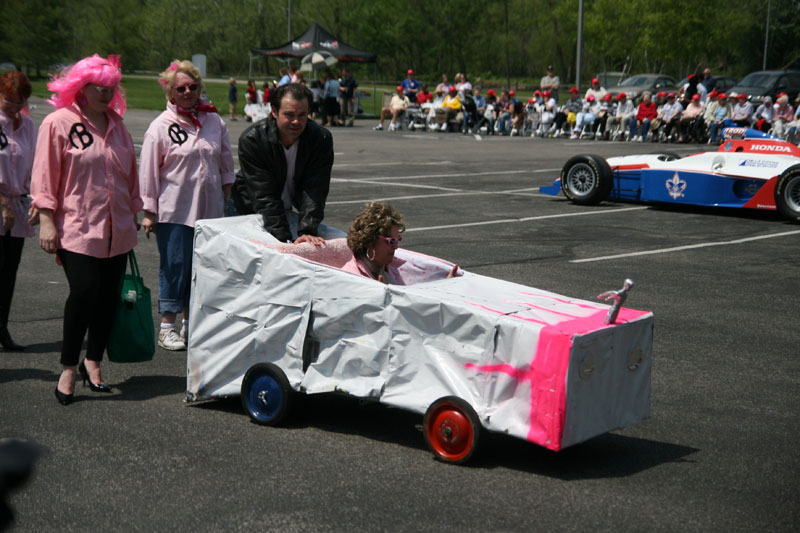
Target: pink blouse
[(16, 160), (89, 181), (183, 168), (390, 273)]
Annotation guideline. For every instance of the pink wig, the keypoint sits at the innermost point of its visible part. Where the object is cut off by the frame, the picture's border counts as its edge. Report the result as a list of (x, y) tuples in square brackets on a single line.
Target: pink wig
[(72, 79)]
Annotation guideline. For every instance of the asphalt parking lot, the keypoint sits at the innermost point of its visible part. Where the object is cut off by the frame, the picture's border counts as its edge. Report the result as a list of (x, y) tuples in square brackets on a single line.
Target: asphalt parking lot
[(718, 453)]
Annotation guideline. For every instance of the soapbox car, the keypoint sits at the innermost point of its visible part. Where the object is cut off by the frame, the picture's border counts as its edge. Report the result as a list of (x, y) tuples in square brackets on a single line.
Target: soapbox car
[(271, 320), (747, 173)]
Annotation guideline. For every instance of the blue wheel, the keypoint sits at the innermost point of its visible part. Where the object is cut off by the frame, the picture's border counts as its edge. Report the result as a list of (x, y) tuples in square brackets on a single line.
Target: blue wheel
[(266, 394)]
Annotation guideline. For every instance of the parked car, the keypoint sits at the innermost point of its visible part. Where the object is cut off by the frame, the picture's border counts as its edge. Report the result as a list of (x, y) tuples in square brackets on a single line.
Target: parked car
[(756, 85), (762, 173), (635, 85), (272, 320), (610, 79)]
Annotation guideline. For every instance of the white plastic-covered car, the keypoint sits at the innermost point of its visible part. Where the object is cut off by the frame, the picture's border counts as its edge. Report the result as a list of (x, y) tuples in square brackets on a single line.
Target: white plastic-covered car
[(271, 320)]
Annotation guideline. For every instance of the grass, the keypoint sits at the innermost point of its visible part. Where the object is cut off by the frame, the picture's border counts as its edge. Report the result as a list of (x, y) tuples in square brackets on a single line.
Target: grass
[(146, 93)]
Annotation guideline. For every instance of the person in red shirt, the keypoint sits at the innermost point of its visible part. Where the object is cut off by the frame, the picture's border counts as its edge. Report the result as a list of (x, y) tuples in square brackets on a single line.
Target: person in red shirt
[(424, 96), (646, 112)]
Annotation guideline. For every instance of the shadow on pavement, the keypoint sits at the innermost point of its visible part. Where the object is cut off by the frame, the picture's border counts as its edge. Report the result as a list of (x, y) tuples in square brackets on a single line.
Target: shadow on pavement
[(139, 388), (21, 374), (606, 456), (45, 347)]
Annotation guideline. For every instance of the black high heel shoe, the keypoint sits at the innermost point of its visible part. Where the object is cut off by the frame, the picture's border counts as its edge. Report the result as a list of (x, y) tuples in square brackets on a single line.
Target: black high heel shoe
[(102, 387), (63, 399)]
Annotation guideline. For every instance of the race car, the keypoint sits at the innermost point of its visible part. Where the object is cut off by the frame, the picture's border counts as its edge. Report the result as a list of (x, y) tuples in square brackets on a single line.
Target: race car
[(762, 173), (272, 320)]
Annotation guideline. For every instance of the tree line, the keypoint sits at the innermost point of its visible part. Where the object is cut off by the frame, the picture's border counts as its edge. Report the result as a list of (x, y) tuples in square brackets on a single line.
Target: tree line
[(491, 39)]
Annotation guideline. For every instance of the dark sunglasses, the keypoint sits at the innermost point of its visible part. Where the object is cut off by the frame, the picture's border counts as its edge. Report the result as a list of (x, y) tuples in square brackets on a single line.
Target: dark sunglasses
[(391, 241), (183, 88)]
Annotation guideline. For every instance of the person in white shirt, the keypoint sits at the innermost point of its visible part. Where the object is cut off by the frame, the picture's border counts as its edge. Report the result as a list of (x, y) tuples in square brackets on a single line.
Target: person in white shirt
[(586, 117), (397, 107), (618, 124), (598, 92), (764, 115), (742, 112), (670, 115)]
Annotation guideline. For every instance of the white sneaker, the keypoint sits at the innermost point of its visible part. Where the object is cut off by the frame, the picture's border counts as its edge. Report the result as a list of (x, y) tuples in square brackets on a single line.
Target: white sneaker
[(514, 132), (392, 127), (378, 127), (573, 137), (443, 127), (170, 340)]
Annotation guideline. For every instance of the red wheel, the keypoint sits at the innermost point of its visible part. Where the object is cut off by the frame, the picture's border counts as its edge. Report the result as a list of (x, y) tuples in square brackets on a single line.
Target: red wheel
[(452, 430)]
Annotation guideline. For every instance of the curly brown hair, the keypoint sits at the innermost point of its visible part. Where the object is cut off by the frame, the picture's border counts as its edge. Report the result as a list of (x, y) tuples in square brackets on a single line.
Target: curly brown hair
[(375, 218)]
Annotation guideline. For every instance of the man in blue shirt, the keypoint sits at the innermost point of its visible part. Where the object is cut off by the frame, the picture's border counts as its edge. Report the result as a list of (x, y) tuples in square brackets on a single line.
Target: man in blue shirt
[(410, 87)]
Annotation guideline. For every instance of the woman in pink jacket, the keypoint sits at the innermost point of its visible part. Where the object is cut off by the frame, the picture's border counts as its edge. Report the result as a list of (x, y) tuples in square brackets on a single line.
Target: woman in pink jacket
[(86, 192), (186, 174), (17, 144)]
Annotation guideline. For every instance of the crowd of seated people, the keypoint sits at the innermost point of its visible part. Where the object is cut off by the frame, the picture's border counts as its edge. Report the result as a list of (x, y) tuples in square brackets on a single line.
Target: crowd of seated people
[(695, 113)]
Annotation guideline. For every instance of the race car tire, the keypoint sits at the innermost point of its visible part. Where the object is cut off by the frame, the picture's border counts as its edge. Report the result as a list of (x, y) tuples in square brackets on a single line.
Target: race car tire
[(787, 193), (667, 156), (266, 394), (586, 179), (452, 430)]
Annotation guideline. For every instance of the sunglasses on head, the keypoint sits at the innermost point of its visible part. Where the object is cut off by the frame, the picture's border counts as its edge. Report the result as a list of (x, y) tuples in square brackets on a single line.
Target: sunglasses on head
[(391, 241), (192, 87)]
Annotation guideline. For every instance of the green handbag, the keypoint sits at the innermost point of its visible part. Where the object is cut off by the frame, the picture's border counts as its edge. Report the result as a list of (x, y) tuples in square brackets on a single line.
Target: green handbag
[(133, 338)]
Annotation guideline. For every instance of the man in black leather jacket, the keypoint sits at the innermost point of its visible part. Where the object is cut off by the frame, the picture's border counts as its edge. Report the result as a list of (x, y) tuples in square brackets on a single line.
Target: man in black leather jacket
[(266, 151)]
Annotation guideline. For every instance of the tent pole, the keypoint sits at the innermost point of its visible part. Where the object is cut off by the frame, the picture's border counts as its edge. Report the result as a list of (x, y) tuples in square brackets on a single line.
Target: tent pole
[(374, 86), (250, 75)]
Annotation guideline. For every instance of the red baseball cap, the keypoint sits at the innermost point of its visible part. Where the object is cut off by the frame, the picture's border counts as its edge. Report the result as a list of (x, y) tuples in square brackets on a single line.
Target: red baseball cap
[(590, 98), (713, 93), (531, 100), (695, 97), (512, 92), (620, 96), (546, 94), (453, 89), (742, 96), (491, 92), (721, 96), (410, 71), (595, 80), (661, 94), (574, 90), (399, 88), (671, 95), (537, 91), (607, 97)]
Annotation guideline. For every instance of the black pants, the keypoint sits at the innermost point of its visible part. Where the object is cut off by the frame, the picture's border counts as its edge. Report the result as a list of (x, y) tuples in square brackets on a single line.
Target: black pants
[(94, 287), (10, 254)]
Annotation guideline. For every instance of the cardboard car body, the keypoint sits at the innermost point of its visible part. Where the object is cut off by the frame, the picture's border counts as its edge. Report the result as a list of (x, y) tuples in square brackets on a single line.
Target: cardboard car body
[(532, 364)]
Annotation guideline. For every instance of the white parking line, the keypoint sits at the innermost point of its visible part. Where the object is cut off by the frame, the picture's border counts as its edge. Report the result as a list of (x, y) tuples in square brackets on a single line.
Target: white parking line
[(391, 164), (681, 248), (516, 192), (459, 175), (528, 219)]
